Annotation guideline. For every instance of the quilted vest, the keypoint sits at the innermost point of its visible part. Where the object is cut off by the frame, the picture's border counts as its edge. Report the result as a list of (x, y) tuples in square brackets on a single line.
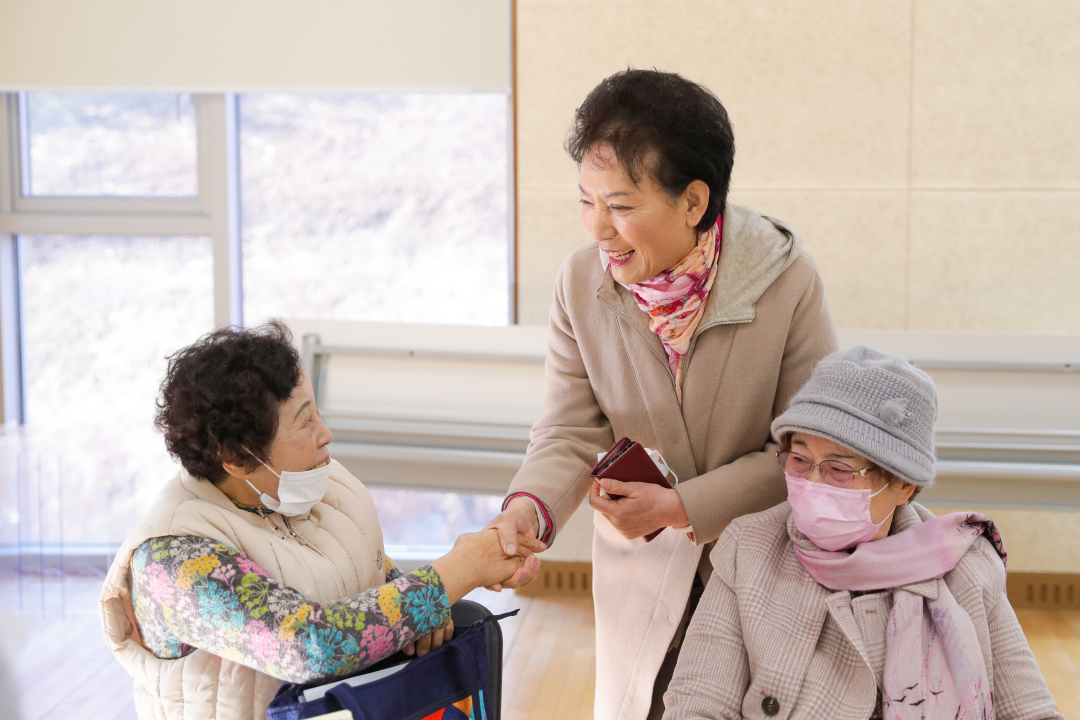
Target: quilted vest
[(343, 556)]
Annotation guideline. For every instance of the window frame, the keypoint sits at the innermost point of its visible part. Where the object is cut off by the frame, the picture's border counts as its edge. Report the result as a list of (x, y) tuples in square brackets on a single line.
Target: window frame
[(214, 212), (25, 203)]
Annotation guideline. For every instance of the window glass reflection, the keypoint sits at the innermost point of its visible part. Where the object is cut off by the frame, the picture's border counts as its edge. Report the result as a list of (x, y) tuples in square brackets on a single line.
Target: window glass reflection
[(112, 144), (384, 207), (100, 315), (414, 520)]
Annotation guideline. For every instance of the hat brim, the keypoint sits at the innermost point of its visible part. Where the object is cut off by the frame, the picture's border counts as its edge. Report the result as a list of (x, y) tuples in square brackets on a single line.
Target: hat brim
[(853, 431)]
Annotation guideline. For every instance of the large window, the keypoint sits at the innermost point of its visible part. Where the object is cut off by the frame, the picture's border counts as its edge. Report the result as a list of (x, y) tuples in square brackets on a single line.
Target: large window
[(382, 207), (131, 223), (136, 222), (418, 523), (100, 315)]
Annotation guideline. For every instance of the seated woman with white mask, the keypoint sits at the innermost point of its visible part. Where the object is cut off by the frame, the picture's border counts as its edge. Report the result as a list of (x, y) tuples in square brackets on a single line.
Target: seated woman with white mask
[(849, 601), (262, 561)]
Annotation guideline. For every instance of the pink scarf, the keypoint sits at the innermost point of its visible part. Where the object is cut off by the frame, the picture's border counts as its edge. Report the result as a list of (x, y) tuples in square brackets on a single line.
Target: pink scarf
[(934, 666), (675, 299)]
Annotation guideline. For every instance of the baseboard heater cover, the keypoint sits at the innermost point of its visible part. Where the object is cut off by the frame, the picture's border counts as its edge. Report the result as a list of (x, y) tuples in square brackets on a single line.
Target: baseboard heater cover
[(1043, 591), (557, 578)]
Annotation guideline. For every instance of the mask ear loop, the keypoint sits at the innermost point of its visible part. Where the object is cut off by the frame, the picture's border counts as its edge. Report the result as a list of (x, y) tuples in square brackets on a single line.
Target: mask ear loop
[(875, 494), (277, 475), (278, 531)]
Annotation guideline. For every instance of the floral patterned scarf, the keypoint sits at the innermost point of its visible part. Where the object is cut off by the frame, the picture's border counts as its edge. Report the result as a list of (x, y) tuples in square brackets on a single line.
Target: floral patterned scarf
[(675, 299)]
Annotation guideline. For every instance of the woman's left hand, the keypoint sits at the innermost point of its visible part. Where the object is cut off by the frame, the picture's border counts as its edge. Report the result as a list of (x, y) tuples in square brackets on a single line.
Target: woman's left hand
[(642, 507), (432, 640)]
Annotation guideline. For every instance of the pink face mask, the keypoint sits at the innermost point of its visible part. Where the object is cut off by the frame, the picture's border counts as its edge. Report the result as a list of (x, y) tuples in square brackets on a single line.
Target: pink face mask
[(833, 518)]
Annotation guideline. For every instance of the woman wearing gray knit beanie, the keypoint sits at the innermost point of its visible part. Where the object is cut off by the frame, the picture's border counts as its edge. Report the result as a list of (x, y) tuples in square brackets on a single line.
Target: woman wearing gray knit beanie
[(849, 600)]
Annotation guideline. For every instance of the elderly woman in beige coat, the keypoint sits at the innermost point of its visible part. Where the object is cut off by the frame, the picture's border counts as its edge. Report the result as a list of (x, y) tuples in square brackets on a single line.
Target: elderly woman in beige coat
[(686, 327), (849, 601)]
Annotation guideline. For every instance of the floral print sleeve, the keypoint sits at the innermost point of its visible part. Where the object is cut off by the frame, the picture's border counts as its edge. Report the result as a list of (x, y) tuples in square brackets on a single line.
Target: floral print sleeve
[(191, 592), (392, 572)]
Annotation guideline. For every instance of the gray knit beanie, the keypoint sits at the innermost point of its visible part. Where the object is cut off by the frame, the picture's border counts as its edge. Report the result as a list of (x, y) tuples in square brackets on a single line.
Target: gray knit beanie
[(879, 405)]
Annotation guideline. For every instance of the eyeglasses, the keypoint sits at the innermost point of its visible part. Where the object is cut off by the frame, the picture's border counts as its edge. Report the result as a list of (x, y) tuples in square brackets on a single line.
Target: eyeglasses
[(833, 472)]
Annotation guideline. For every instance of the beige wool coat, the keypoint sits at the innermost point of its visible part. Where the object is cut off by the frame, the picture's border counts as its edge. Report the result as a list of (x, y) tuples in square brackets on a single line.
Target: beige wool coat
[(765, 629), (765, 325)]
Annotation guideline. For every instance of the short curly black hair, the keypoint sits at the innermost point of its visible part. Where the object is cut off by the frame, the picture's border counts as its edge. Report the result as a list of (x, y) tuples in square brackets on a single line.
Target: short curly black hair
[(222, 395), (663, 126)]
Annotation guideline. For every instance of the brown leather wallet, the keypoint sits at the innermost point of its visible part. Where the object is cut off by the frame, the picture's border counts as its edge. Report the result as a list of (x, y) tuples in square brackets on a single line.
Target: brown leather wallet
[(627, 461)]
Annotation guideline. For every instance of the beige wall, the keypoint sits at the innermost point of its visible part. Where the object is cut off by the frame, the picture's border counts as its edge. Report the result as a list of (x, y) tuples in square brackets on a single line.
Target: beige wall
[(928, 151), (1038, 541)]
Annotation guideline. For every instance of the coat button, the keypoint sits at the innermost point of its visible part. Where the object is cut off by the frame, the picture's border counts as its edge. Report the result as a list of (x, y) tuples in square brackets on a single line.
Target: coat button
[(770, 706)]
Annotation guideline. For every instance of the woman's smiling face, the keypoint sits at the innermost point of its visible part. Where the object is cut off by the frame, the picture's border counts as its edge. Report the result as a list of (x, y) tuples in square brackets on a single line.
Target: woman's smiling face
[(640, 227)]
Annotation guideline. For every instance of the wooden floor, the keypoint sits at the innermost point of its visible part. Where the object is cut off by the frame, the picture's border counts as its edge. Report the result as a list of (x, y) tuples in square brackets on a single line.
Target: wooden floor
[(549, 670), (549, 656), (1054, 637), (65, 669)]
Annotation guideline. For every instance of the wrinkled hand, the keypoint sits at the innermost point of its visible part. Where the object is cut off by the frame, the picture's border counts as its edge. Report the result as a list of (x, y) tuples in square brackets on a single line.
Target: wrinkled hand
[(493, 564), (642, 507), (434, 639), (518, 520), (477, 560)]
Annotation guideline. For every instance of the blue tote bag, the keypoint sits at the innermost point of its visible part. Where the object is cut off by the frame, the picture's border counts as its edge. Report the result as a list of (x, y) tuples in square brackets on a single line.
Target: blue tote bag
[(458, 681)]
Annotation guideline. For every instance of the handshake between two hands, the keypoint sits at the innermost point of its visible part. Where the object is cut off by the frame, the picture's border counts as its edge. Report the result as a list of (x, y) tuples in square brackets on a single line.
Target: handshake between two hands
[(501, 556)]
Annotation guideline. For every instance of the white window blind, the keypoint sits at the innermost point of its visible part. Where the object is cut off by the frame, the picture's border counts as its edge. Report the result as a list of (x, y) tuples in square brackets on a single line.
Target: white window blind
[(250, 45)]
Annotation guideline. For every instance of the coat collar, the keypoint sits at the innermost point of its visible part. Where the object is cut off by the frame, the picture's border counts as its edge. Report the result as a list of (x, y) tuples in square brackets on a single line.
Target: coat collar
[(756, 250), (207, 491), (839, 602), (620, 301)]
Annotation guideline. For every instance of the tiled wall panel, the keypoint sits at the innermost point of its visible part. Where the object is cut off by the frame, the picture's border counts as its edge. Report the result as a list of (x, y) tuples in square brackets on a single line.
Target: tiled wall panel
[(857, 123), (995, 262), (997, 94), (859, 242)]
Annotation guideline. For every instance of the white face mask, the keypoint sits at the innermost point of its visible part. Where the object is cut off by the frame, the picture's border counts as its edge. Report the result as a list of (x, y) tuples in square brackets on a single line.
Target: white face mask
[(298, 492)]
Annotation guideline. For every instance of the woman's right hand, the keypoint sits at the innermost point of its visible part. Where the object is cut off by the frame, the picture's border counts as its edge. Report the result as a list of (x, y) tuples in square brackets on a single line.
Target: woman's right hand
[(518, 519), (478, 560)]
